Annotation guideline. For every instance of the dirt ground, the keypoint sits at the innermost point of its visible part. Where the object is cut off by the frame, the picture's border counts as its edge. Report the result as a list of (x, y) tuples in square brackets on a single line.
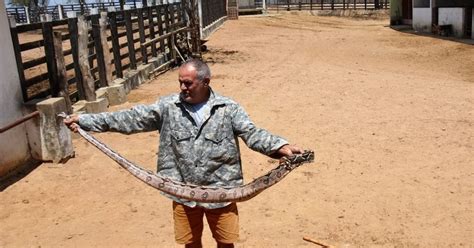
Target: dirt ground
[(389, 114)]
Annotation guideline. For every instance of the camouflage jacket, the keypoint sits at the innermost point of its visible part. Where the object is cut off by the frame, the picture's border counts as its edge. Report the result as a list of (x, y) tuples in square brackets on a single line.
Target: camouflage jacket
[(206, 154)]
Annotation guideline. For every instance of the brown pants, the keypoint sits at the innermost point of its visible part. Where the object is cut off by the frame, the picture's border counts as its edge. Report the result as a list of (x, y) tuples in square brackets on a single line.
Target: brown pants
[(188, 223)]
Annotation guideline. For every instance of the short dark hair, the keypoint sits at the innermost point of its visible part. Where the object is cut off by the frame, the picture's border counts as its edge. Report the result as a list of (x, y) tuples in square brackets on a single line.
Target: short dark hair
[(202, 68)]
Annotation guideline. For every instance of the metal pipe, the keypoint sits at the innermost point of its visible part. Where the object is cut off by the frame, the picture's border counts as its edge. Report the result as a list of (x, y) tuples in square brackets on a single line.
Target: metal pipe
[(18, 122)]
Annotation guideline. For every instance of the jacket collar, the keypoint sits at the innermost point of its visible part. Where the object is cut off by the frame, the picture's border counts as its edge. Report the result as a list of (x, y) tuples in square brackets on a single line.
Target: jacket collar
[(214, 99)]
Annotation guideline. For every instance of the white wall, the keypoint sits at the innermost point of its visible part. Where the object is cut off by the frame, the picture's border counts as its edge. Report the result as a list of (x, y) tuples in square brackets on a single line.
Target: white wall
[(422, 19), (14, 149), (454, 17)]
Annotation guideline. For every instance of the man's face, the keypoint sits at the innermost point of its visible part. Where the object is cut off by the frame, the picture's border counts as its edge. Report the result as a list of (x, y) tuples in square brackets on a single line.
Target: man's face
[(193, 91)]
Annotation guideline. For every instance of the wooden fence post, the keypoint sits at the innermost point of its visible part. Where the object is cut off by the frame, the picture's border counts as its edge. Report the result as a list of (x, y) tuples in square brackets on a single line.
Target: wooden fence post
[(115, 44), (47, 28), (160, 28), (171, 13), (131, 46), (179, 13), (141, 31), (72, 26), (105, 47), (151, 26), (19, 61), (61, 69), (168, 29), (83, 41), (98, 50)]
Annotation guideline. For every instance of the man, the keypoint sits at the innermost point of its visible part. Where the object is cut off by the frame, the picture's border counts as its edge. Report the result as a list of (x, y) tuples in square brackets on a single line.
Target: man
[(198, 145)]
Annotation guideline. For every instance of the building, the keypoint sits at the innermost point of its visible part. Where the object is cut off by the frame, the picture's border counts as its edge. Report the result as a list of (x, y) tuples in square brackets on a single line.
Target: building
[(445, 17)]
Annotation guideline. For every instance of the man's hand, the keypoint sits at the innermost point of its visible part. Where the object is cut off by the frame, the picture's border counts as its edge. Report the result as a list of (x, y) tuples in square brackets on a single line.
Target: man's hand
[(288, 150), (72, 122)]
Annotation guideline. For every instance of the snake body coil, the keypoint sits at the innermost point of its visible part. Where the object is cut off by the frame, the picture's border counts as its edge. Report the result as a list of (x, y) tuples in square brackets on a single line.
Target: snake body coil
[(205, 193)]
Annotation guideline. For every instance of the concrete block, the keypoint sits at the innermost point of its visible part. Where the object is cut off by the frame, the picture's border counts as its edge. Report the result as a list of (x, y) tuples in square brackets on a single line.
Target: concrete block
[(115, 94), (125, 83), (132, 77), (144, 73), (79, 106), (156, 61), (101, 92), (55, 137), (98, 106)]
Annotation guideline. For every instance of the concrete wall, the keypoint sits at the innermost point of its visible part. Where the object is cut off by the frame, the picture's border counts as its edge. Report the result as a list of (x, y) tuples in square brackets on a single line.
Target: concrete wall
[(454, 17), (14, 150), (422, 19)]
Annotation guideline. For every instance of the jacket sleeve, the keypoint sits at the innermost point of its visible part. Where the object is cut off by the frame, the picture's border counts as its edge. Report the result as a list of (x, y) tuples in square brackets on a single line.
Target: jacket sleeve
[(137, 119), (255, 138)]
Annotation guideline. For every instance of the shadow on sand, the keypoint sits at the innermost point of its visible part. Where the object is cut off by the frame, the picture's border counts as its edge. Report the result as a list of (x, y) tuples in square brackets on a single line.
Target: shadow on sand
[(407, 29)]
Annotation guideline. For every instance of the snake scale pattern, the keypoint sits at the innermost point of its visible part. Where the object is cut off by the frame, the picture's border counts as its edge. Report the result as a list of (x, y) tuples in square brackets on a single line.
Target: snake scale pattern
[(205, 193)]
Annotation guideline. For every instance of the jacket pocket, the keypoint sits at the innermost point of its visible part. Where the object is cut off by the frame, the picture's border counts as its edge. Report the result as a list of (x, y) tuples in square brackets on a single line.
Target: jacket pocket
[(181, 145), (180, 136), (220, 148)]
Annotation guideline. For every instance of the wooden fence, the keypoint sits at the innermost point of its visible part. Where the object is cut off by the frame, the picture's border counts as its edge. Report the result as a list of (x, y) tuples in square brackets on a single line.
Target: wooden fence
[(327, 4), (212, 10), (25, 15), (107, 47)]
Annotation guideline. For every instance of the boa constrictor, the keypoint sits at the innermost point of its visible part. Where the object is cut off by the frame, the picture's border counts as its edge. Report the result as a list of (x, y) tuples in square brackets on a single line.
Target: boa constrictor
[(204, 193)]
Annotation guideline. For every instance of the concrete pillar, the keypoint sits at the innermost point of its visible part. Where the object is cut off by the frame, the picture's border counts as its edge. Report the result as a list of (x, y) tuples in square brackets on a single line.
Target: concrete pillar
[(60, 11), (46, 17), (71, 14), (14, 150), (27, 13), (50, 139), (94, 11)]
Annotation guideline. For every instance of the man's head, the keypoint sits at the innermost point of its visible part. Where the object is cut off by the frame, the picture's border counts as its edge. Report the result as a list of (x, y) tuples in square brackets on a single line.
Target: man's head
[(194, 79)]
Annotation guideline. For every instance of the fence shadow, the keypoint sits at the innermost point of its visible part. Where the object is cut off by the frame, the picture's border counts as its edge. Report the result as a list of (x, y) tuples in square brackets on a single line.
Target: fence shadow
[(19, 174)]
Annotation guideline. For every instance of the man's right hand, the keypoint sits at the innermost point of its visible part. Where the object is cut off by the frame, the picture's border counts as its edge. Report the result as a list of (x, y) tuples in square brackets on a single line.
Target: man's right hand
[(72, 122)]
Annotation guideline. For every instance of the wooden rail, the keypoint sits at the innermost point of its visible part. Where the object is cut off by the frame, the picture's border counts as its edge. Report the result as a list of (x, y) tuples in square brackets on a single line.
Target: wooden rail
[(130, 38)]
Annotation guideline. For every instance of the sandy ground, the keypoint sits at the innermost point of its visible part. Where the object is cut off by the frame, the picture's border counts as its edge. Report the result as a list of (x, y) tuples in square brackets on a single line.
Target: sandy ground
[(389, 114)]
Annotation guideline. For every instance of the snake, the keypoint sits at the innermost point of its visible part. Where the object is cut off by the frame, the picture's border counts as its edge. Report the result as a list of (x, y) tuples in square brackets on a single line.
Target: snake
[(198, 193)]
